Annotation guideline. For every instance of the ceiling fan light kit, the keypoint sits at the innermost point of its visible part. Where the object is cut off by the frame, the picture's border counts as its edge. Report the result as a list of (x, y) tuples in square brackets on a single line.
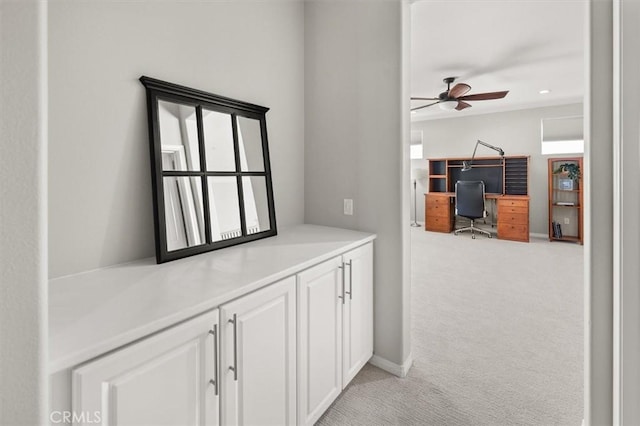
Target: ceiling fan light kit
[(455, 97), (448, 105)]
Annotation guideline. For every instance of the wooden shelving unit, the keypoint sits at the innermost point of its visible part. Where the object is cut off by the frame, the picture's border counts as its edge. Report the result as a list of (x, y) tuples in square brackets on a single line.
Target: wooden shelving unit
[(565, 202)]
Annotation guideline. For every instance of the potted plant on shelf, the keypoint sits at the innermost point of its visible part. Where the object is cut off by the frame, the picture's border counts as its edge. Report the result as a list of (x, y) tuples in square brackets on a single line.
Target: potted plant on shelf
[(571, 169)]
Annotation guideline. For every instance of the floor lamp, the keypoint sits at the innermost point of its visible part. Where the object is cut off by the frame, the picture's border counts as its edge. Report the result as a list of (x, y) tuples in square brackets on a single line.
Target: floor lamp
[(417, 174)]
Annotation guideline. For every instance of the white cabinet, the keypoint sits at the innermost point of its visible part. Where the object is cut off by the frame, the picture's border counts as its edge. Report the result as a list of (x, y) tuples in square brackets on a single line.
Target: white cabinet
[(166, 379), (278, 355), (357, 346), (259, 357), (335, 328), (320, 293), (241, 369)]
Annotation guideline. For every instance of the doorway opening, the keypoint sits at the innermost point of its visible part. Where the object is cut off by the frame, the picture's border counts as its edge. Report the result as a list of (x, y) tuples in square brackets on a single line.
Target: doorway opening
[(498, 324)]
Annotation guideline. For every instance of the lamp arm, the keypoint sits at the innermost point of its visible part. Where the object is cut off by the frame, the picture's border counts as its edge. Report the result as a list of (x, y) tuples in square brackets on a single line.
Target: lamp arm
[(495, 148), (466, 165)]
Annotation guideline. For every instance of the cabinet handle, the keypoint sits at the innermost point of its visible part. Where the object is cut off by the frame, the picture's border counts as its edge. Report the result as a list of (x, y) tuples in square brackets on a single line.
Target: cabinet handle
[(341, 267), (234, 321), (214, 382), (350, 292)]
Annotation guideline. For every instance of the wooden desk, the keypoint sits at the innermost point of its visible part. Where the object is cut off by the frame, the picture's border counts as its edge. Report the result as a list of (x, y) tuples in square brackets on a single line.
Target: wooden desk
[(512, 220)]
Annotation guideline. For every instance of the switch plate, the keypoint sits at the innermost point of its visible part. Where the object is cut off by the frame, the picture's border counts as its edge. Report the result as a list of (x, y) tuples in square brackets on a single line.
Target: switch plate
[(348, 206), (566, 220)]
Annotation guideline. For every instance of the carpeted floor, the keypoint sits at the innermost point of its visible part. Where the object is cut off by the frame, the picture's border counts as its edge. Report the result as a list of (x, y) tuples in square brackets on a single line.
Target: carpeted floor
[(497, 329)]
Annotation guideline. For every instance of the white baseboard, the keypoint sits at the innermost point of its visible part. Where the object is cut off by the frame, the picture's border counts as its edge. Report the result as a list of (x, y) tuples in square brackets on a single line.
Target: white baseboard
[(536, 235), (392, 367)]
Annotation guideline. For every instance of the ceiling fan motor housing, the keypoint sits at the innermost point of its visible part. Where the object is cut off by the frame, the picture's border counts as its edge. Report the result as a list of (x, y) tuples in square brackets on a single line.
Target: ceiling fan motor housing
[(456, 97)]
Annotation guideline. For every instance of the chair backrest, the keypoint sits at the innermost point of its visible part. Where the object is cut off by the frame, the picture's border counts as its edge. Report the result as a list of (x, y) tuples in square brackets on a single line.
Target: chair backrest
[(470, 199)]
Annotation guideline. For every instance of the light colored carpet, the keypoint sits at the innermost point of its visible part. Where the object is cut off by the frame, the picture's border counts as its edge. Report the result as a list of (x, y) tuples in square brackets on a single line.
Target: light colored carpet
[(497, 329)]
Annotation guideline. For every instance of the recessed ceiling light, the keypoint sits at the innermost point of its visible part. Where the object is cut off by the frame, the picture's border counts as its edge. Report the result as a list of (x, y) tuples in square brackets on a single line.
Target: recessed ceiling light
[(545, 91)]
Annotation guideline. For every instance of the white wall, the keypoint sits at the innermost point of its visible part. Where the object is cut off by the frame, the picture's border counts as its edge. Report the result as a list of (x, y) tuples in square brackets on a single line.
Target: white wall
[(598, 226), (627, 206), (100, 210), (356, 144), (516, 132), (23, 207)]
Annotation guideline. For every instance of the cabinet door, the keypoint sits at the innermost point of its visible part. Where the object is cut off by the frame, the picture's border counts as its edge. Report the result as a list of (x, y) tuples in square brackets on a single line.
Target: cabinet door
[(166, 379), (357, 339), (320, 291), (259, 357)]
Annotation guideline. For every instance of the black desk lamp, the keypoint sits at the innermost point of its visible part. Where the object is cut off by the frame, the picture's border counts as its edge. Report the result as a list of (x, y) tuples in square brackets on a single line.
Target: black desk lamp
[(466, 165)]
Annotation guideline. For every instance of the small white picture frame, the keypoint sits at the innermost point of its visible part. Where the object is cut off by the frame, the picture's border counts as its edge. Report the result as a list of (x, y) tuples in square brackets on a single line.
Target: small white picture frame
[(565, 184)]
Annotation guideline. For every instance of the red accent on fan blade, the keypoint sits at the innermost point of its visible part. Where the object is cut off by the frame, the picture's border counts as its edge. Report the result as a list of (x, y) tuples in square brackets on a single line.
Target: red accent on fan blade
[(462, 105), (484, 96), (424, 106), (425, 99), (459, 90)]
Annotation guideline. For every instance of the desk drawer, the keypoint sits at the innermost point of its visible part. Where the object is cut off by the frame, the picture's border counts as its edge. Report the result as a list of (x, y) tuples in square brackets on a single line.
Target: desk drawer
[(508, 231), (438, 210), (507, 210), (513, 202), (438, 224), (437, 200), (514, 218)]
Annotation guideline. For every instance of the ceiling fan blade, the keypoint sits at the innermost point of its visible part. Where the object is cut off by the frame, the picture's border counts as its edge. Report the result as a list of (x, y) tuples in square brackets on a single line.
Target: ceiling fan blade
[(459, 90), (462, 105), (425, 99), (484, 96), (423, 106)]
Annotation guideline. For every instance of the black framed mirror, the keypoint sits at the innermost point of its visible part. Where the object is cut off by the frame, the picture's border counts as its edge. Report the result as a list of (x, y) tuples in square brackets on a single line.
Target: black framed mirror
[(210, 170)]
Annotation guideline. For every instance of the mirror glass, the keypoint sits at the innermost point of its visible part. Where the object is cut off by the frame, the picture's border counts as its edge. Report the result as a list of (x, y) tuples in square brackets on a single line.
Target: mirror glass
[(256, 205), (218, 141), (250, 145), (183, 212), (224, 208), (178, 136)]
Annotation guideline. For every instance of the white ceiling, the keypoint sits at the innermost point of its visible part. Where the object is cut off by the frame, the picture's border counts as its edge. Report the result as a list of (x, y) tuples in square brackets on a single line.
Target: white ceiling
[(523, 46)]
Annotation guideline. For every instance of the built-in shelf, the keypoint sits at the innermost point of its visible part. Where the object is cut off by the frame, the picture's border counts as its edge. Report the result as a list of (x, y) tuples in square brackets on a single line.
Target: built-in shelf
[(567, 205), (572, 239), (502, 175)]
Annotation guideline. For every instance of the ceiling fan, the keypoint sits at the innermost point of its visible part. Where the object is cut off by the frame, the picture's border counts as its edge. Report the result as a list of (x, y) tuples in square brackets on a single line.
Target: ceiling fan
[(453, 97)]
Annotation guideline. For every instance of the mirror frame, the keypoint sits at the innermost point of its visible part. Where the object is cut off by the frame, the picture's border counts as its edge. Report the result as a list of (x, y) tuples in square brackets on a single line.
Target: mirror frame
[(158, 90)]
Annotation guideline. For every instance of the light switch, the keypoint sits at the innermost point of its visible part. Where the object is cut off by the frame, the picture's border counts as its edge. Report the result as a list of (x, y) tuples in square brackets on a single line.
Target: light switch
[(348, 206)]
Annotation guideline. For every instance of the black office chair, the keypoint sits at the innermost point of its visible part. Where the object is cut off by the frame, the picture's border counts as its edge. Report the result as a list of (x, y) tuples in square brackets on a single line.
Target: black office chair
[(470, 204)]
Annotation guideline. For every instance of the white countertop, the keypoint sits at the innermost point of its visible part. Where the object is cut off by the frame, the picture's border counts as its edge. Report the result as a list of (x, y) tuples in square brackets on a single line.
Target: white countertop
[(97, 311)]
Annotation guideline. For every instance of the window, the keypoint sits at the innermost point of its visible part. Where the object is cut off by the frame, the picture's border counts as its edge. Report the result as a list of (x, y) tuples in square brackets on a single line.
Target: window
[(416, 152), (562, 135), (415, 148)]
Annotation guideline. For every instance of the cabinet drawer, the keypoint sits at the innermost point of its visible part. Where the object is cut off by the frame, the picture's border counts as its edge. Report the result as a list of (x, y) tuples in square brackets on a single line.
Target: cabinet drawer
[(513, 202), (438, 210), (507, 210), (508, 231), (434, 199), (438, 224), (514, 218)]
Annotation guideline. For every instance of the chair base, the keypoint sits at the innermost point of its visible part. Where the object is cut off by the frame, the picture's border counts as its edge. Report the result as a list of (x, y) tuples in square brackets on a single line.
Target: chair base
[(473, 230)]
